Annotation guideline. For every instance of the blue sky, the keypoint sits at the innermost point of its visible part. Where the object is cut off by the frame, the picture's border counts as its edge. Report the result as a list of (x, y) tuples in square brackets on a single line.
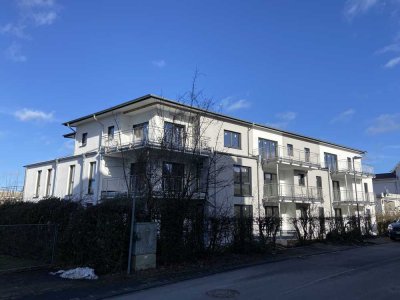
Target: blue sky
[(328, 69)]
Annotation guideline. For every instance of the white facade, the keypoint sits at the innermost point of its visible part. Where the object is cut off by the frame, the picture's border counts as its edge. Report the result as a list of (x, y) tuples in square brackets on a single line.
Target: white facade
[(387, 188), (288, 172)]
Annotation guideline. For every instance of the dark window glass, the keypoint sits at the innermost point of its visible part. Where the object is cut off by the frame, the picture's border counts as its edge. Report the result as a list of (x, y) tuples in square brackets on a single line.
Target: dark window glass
[(267, 149), (243, 211), (331, 161), (92, 168), (272, 211), (84, 139), (302, 179), (174, 135), (173, 174), (242, 180), (232, 139), (140, 133), (289, 149), (110, 133), (307, 154)]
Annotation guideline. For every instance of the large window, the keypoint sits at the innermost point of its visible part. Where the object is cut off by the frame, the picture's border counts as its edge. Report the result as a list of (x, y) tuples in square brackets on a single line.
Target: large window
[(232, 139), (138, 177), (272, 211), (243, 211), (140, 133), (301, 179), (110, 133), (71, 179), (84, 139), (330, 161), (307, 154), (173, 174), (48, 182), (38, 179), (92, 169), (289, 149), (242, 180), (267, 148), (174, 135)]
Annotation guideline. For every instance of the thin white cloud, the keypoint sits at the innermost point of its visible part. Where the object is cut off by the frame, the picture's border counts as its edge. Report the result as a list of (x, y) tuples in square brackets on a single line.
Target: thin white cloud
[(344, 116), (44, 18), (393, 62), (356, 7), (13, 53), (31, 13), (26, 114), (229, 104), (385, 123), (159, 63), (283, 119)]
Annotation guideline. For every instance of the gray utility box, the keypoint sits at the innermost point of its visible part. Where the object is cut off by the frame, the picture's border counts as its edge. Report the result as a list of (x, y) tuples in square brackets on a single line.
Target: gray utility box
[(145, 246)]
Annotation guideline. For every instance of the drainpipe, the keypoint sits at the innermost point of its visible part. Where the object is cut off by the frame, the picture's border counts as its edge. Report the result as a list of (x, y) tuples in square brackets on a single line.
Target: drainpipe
[(54, 178)]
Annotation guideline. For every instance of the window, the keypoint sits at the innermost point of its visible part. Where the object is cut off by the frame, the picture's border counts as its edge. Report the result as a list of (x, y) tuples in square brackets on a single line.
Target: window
[(338, 212), (243, 211), (173, 134), (173, 174), (71, 179), (37, 190), (302, 210), (336, 190), (267, 149), (140, 133), (242, 180), (272, 211), (330, 161), (138, 176), (319, 187), (92, 169), (366, 191), (48, 183), (289, 149), (349, 165), (302, 179), (84, 139), (307, 154), (110, 133), (232, 139)]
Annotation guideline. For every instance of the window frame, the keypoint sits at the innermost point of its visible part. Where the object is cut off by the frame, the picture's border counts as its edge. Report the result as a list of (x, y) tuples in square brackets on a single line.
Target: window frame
[(240, 183), (110, 133), (84, 139), (290, 150), (38, 185), (48, 182), (231, 134), (91, 177), (71, 180)]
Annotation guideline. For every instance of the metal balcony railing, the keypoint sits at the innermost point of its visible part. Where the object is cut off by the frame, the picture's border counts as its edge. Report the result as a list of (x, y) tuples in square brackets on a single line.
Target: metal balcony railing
[(150, 136), (137, 185), (290, 192), (345, 166), (350, 197), (289, 155)]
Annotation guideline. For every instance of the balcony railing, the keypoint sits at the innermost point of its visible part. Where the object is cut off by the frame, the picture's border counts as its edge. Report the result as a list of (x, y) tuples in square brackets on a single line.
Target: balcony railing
[(162, 186), (351, 197), (345, 166), (155, 137), (290, 155), (288, 192)]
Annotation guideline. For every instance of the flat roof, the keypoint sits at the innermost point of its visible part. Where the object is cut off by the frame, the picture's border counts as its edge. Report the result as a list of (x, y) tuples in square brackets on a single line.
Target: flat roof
[(162, 99)]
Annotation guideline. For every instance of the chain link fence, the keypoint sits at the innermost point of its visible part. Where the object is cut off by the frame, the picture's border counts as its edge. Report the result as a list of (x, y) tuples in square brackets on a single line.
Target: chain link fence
[(24, 246)]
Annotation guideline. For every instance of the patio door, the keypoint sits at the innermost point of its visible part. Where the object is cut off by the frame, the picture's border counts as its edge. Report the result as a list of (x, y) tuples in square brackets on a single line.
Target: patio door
[(336, 190)]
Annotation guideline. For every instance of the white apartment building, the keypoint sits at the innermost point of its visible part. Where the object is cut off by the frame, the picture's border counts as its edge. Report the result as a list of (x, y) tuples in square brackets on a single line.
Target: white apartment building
[(387, 189), (271, 171)]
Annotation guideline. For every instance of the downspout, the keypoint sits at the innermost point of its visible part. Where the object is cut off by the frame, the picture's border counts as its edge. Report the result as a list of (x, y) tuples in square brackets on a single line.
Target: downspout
[(99, 161), (54, 178)]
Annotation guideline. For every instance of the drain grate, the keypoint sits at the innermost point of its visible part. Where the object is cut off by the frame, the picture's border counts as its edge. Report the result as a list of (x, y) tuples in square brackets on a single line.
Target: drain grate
[(223, 293)]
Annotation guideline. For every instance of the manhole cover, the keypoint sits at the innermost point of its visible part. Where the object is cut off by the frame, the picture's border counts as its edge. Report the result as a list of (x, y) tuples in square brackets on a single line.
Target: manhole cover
[(223, 293)]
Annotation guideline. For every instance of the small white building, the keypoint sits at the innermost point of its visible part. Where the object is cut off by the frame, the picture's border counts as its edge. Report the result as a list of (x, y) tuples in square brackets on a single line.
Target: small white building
[(270, 171), (387, 189)]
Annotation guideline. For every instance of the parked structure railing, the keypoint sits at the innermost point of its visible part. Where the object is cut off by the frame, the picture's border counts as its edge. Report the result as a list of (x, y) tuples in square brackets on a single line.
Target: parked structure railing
[(149, 136), (346, 166), (290, 192), (289, 155)]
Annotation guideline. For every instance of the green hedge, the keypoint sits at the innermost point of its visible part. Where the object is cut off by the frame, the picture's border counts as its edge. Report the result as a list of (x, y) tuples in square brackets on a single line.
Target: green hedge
[(96, 236)]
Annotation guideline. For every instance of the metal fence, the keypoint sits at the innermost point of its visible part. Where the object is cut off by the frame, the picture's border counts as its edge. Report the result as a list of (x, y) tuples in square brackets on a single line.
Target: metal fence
[(24, 246)]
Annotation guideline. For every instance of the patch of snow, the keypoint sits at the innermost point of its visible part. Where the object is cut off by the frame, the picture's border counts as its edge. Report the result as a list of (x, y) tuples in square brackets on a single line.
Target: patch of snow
[(77, 273)]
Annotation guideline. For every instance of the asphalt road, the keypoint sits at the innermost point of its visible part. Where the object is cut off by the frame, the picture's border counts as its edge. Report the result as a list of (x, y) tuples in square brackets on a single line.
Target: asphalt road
[(362, 273)]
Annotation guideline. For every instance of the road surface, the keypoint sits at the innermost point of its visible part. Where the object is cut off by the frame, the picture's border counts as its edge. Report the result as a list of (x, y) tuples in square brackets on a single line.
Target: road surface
[(362, 273)]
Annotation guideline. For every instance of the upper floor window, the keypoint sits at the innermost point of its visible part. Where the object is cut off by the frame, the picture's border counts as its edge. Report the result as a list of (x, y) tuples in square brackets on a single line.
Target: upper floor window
[(38, 179), (302, 179), (267, 148), (232, 139), (84, 139), (349, 164), (242, 180), (110, 133), (174, 134), (289, 149), (307, 154), (71, 180), (140, 133), (173, 175), (48, 183), (330, 161)]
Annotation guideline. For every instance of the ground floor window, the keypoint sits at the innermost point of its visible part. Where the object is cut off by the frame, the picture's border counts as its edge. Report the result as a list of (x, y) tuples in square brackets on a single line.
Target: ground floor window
[(242, 180), (338, 212), (302, 210), (271, 211), (243, 211)]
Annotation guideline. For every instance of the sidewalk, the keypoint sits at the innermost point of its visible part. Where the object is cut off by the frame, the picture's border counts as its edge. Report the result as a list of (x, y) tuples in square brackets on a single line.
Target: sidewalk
[(40, 285)]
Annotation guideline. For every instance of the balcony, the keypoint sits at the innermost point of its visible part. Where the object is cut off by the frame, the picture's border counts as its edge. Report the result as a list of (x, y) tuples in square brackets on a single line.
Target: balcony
[(346, 167), (350, 197), (113, 187), (292, 193), (155, 137), (290, 156)]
